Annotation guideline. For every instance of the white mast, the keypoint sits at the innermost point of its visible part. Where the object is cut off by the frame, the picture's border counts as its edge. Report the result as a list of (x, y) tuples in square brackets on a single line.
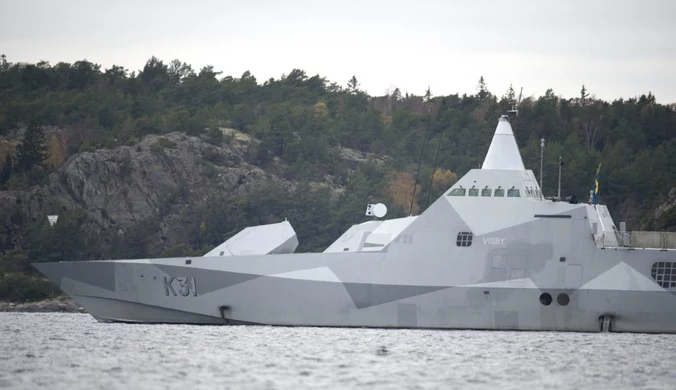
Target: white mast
[(542, 155)]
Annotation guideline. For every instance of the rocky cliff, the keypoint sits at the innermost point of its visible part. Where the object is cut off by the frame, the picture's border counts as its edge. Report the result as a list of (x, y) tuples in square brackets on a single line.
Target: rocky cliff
[(117, 188), (664, 216)]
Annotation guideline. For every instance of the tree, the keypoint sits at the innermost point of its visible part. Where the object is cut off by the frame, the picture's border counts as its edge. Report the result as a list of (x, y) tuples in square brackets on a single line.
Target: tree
[(428, 95), (178, 71), (155, 74), (510, 95), (353, 85), (4, 65), (115, 73), (589, 119), (481, 88), (584, 97), (396, 95), (401, 190), (33, 149)]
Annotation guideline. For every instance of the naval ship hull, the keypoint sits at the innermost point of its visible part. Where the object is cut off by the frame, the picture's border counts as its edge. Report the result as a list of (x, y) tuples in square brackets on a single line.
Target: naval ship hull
[(493, 287), (490, 253)]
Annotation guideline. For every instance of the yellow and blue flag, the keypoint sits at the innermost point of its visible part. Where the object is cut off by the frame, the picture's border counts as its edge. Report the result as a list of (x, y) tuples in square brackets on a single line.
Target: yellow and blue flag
[(595, 190)]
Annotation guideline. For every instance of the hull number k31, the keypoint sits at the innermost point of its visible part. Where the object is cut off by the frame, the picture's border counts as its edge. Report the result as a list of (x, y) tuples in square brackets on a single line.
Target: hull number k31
[(180, 285)]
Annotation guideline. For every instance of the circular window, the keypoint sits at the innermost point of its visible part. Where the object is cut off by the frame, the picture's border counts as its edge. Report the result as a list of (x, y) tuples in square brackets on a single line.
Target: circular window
[(546, 299), (563, 299)]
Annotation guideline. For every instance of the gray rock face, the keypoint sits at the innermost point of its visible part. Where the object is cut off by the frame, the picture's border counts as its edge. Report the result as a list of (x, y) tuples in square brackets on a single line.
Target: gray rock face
[(119, 187), (664, 216)]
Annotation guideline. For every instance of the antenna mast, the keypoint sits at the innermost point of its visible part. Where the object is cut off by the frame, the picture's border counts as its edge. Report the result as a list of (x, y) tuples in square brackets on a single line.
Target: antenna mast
[(542, 155), (560, 165)]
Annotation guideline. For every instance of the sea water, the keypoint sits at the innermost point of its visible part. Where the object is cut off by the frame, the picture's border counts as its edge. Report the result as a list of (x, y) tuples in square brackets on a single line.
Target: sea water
[(73, 351)]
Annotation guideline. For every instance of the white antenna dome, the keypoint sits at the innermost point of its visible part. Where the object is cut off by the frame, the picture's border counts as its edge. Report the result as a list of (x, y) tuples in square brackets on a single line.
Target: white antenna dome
[(377, 210)]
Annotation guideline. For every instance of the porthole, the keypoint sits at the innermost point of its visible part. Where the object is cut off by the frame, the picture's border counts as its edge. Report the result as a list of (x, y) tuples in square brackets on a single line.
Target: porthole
[(546, 299), (222, 252), (563, 299), (188, 261)]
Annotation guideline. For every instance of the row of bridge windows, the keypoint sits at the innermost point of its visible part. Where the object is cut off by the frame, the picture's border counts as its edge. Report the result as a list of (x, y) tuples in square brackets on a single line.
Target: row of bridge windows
[(499, 192)]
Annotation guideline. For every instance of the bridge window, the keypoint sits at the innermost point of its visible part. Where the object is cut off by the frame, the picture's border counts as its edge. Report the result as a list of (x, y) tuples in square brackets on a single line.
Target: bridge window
[(664, 274), (486, 192), (464, 239), (500, 192), (513, 193), (457, 192), (473, 192)]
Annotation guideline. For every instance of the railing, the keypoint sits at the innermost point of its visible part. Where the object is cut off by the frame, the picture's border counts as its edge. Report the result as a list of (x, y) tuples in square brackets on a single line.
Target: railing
[(638, 239), (661, 240)]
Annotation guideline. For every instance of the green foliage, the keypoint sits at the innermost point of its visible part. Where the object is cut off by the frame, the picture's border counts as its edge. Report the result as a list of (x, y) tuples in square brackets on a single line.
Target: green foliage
[(135, 242), (62, 242), (21, 288), (33, 149), (215, 137), (181, 250), (302, 125)]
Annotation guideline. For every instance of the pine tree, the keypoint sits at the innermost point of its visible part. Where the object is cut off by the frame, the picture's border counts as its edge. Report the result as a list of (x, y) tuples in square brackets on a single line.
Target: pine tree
[(584, 96), (33, 148), (4, 65), (481, 88), (510, 95), (353, 85)]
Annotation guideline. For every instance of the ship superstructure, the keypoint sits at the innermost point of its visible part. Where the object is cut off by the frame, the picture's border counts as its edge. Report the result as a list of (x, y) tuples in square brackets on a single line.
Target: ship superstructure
[(490, 253)]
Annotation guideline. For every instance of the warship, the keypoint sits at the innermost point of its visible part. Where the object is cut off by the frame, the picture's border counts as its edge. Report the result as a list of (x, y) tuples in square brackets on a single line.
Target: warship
[(490, 253)]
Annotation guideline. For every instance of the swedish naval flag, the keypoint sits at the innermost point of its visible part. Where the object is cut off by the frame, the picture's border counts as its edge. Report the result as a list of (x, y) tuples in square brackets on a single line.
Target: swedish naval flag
[(595, 196)]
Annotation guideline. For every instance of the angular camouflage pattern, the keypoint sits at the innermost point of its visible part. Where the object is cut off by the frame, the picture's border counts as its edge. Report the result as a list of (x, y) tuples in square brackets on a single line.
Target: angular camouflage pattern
[(532, 264)]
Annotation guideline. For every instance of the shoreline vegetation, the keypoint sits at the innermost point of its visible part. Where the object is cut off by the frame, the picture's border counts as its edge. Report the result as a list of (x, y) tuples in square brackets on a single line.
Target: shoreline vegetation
[(171, 161), (61, 304)]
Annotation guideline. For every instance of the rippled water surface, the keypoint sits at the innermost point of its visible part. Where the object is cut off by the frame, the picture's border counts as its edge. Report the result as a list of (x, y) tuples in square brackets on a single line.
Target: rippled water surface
[(73, 351)]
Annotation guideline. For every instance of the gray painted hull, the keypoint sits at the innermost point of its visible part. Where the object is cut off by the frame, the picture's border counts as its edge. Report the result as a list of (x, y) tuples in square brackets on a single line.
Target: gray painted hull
[(468, 262), (256, 292), (412, 315)]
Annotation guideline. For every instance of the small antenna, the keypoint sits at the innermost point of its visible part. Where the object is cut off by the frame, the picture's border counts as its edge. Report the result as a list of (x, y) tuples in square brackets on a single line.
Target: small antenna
[(542, 155)]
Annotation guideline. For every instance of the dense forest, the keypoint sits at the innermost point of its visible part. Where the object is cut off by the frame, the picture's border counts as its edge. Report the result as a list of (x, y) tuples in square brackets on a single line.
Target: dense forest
[(303, 123)]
